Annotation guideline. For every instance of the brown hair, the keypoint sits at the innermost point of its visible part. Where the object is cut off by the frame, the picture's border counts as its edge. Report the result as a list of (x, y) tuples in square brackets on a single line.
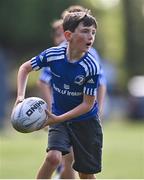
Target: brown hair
[(72, 20), (73, 8)]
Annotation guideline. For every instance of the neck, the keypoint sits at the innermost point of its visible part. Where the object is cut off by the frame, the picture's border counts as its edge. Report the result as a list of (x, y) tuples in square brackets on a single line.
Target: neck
[(73, 54)]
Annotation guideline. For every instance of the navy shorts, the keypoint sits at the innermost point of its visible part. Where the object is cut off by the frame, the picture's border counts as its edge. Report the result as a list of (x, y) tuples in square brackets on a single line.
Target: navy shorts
[(86, 139)]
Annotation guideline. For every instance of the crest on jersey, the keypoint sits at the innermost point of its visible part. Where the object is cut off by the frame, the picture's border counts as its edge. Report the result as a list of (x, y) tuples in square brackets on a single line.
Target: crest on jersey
[(79, 80)]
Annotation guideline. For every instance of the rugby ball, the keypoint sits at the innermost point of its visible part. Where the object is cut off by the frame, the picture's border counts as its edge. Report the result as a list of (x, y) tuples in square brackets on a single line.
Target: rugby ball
[(29, 115)]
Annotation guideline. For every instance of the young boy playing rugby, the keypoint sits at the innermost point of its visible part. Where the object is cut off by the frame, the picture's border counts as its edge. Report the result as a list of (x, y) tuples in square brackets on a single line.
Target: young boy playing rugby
[(74, 120)]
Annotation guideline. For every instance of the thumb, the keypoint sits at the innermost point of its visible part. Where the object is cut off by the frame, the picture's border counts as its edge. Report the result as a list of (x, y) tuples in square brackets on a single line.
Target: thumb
[(47, 112)]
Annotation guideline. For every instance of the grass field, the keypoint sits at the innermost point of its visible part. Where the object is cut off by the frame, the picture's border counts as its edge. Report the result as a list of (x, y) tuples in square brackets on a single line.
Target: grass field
[(123, 152)]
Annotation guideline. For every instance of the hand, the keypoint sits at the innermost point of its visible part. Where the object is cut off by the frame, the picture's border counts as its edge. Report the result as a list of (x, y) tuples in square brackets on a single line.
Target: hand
[(18, 100), (52, 119)]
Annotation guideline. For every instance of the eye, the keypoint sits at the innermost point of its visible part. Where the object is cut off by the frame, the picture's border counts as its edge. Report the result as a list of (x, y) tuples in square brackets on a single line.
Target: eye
[(93, 32)]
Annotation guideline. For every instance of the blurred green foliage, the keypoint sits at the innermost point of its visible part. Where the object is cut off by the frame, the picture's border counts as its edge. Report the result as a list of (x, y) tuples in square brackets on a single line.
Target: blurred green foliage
[(134, 25), (25, 24)]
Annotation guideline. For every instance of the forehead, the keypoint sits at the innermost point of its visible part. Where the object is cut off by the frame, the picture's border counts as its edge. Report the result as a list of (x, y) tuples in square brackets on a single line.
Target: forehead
[(82, 26)]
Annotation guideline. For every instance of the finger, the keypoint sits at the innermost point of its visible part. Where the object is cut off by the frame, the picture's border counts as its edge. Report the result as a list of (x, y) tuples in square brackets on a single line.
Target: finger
[(47, 111)]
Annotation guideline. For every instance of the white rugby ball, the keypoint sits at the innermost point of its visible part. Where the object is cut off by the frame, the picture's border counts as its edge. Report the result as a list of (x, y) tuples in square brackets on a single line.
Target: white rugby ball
[(29, 115)]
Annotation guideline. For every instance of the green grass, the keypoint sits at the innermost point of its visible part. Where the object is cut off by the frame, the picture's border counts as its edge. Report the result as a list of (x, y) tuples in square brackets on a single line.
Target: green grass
[(123, 154), (21, 154)]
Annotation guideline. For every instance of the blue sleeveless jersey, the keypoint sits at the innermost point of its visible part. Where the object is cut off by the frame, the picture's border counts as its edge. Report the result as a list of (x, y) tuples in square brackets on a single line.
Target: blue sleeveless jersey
[(70, 81)]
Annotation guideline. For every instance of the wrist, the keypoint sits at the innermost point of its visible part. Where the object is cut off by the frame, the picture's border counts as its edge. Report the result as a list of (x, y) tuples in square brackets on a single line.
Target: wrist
[(59, 118), (20, 98)]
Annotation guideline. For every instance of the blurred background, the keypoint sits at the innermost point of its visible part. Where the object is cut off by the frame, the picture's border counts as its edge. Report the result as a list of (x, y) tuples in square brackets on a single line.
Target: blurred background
[(25, 31)]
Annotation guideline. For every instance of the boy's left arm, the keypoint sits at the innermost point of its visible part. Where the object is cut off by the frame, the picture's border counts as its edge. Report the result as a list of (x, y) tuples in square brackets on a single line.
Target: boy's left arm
[(84, 107), (89, 98)]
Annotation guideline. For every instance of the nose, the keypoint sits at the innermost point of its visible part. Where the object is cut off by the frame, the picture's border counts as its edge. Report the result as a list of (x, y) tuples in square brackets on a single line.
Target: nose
[(90, 36)]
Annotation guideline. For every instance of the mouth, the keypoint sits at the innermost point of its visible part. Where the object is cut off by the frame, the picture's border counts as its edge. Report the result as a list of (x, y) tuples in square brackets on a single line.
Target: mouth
[(88, 44)]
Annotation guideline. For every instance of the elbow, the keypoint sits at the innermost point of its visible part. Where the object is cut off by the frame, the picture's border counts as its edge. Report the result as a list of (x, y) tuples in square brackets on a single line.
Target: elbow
[(26, 67)]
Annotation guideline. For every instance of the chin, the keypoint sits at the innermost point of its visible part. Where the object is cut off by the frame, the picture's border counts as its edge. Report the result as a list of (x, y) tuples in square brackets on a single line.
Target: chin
[(87, 48), (84, 50)]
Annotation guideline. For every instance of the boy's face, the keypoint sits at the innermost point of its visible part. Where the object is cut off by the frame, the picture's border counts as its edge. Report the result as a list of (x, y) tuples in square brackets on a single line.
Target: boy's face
[(83, 37)]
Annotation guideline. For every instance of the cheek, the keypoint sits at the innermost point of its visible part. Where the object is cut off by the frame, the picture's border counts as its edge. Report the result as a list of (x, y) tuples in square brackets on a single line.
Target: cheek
[(80, 39)]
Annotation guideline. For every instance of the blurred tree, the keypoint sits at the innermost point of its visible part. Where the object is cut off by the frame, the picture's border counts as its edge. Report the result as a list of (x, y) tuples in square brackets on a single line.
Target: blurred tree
[(25, 24), (134, 24)]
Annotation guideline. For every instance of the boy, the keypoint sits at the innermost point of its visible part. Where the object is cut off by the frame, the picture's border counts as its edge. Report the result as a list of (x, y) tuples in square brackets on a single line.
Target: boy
[(74, 121)]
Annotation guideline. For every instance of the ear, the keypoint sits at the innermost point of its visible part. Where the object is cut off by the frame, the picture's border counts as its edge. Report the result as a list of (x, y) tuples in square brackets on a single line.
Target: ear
[(68, 35)]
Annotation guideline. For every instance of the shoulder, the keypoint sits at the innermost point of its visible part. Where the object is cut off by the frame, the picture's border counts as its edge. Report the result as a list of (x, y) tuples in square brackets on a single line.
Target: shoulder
[(90, 65), (50, 51), (95, 54), (46, 56), (53, 53), (55, 50)]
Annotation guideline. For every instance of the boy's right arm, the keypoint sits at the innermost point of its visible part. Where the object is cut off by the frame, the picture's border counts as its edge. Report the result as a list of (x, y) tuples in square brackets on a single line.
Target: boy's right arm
[(22, 77)]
